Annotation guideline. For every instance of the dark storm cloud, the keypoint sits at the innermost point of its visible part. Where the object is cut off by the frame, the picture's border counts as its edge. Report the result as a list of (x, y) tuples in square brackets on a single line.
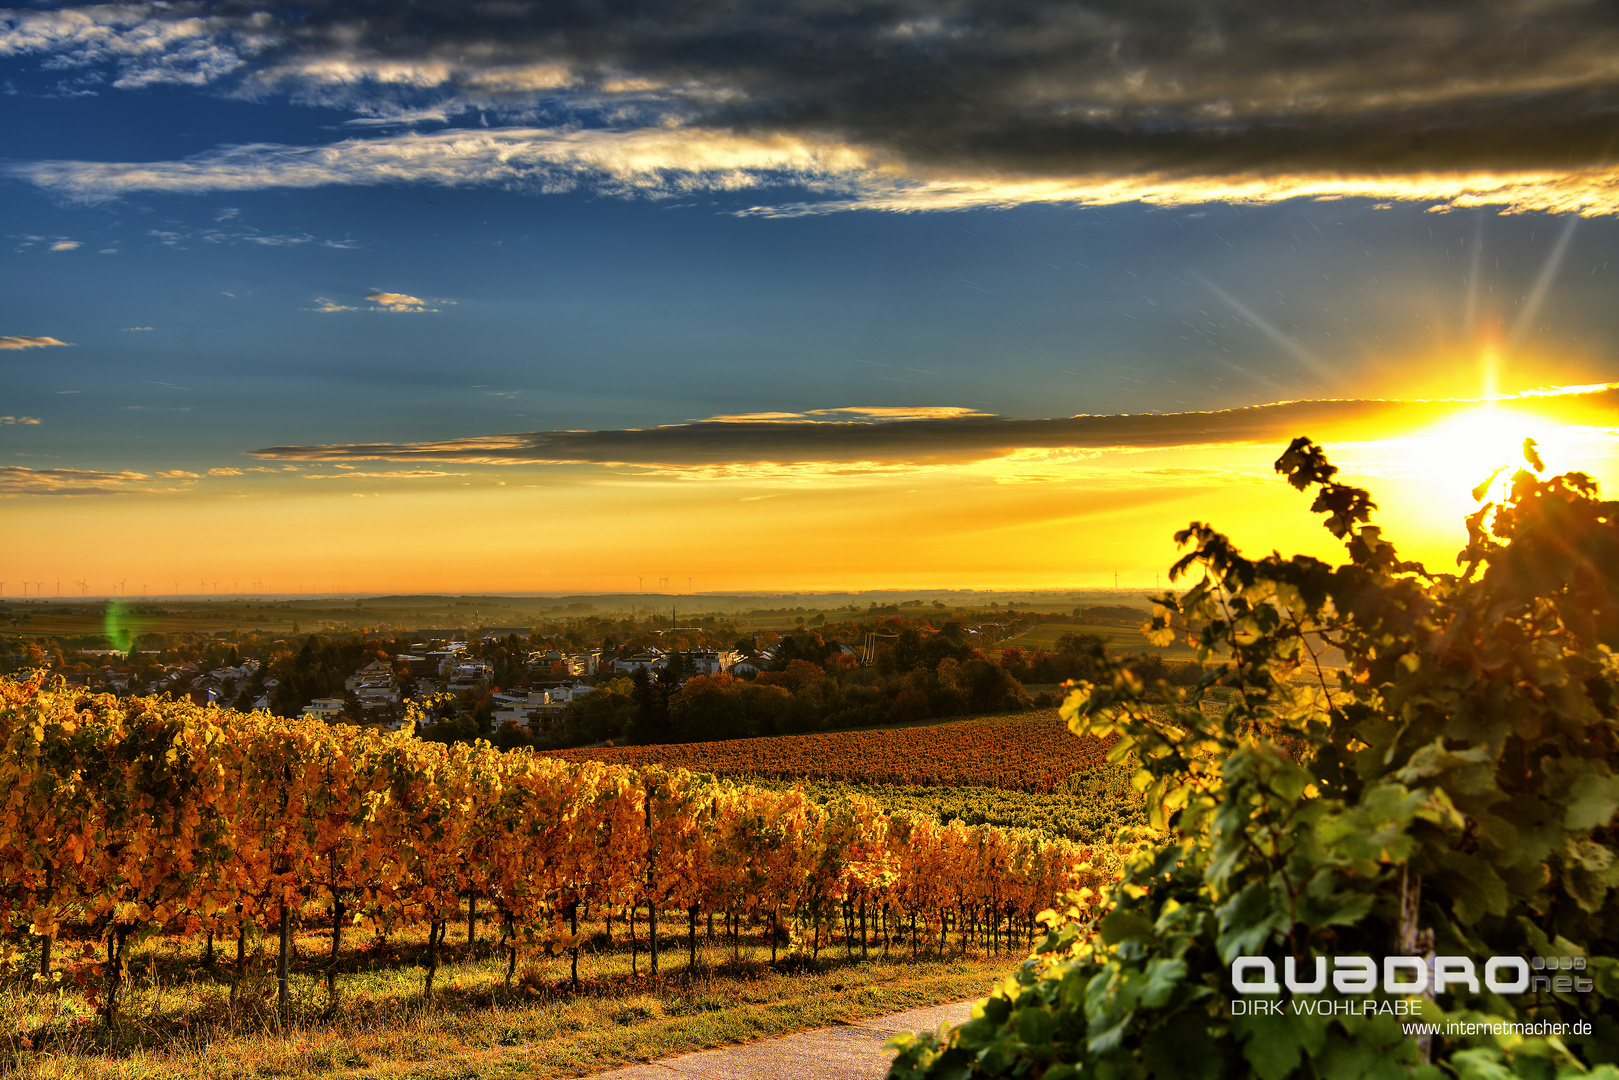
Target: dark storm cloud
[(940, 439), (1038, 89)]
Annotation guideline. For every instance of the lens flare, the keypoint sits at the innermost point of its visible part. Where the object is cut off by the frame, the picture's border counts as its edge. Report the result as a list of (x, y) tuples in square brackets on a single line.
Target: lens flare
[(118, 625)]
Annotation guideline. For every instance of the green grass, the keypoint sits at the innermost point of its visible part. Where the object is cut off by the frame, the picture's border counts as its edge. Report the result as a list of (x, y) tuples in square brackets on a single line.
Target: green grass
[(176, 1021), (1089, 808)]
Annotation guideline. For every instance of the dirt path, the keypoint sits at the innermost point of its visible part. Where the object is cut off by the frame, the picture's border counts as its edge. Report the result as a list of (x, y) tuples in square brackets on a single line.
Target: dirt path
[(847, 1052)]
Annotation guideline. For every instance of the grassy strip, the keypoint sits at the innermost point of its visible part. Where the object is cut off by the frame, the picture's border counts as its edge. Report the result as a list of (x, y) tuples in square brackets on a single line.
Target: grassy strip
[(178, 1025)]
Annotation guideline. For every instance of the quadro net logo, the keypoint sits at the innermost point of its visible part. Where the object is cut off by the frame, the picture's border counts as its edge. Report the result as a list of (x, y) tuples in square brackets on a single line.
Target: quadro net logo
[(1402, 980)]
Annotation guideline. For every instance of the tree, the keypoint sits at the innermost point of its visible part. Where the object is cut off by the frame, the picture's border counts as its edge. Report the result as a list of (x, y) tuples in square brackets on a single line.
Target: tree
[(601, 714), (707, 708), (652, 707), (1450, 792)]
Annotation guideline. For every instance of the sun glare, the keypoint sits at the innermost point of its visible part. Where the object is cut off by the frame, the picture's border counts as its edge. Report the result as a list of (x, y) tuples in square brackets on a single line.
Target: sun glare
[(1475, 445)]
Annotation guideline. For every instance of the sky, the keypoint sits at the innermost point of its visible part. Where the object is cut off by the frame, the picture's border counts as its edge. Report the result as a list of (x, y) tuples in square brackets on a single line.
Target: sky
[(557, 297)]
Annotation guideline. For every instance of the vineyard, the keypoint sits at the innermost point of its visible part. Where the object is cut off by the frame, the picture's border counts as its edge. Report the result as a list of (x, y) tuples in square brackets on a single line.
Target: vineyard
[(1088, 807), (1033, 752), (125, 818)]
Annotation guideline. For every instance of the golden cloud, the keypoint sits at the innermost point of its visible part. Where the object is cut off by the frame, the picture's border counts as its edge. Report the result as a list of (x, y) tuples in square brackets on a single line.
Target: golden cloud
[(13, 341), (18, 480), (392, 301), (881, 438)]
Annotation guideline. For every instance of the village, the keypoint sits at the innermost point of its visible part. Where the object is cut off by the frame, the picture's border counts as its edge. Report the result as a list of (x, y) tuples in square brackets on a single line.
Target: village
[(374, 693), (377, 692), (584, 679)]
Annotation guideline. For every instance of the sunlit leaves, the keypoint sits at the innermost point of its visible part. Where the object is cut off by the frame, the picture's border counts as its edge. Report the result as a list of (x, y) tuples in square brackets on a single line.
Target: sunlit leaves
[(1454, 772)]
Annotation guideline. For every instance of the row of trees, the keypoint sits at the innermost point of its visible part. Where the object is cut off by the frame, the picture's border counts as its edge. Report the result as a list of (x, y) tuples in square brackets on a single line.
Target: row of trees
[(126, 817), (815, 685)]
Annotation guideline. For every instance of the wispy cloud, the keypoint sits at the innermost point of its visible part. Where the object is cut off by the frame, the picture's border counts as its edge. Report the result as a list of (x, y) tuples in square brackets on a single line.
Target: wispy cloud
[(960, 436), (142, 45), (30, 242), (25, 420), (16, 341), (181, 236), (665, 163), (17, 480), (134, 329), (646, 162), (398, 302), (850, 415), (397, 474)]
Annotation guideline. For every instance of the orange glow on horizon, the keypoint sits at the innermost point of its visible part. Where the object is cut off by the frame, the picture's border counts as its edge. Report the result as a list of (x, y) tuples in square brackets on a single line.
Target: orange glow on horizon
[(1036, 518)]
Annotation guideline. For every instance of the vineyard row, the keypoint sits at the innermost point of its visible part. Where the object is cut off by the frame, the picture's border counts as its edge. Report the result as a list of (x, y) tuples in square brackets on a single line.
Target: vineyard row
[(127, 817)]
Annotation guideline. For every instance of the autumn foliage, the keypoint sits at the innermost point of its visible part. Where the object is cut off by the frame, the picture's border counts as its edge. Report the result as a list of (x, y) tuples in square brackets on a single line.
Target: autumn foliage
[(1018, 753), (125, 817)]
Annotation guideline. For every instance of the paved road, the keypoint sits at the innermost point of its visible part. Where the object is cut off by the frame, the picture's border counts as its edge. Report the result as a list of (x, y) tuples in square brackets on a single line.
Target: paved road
[(848, 1052)]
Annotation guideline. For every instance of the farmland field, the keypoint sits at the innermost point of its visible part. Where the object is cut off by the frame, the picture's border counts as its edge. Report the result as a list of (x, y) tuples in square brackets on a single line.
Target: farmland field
[(1119, 636), (1087, 808), (1032, 751)]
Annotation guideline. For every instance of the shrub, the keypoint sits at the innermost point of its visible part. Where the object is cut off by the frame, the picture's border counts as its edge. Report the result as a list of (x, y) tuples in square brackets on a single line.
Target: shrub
[(1451, 792)]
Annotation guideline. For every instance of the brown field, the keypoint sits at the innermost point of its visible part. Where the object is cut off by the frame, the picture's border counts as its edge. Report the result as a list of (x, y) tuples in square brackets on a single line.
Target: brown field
[(1030, 751)]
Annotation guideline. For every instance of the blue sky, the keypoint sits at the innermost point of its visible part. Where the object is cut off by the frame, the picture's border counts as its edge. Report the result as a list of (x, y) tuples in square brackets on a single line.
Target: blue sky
[(268, 238)]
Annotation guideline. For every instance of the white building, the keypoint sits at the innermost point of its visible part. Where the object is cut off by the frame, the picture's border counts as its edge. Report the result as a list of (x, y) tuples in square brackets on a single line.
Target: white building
[(329, 709), (650, 660), (537, 708)]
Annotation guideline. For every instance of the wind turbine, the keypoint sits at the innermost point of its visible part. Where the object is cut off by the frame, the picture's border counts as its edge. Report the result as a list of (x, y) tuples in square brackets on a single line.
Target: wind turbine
[(84, 588), (121, 590)]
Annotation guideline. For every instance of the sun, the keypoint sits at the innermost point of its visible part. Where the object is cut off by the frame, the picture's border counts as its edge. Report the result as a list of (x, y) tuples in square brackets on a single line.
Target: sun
[(1429, 476), (1474, 444), (1425, 479), (1481, 445)]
